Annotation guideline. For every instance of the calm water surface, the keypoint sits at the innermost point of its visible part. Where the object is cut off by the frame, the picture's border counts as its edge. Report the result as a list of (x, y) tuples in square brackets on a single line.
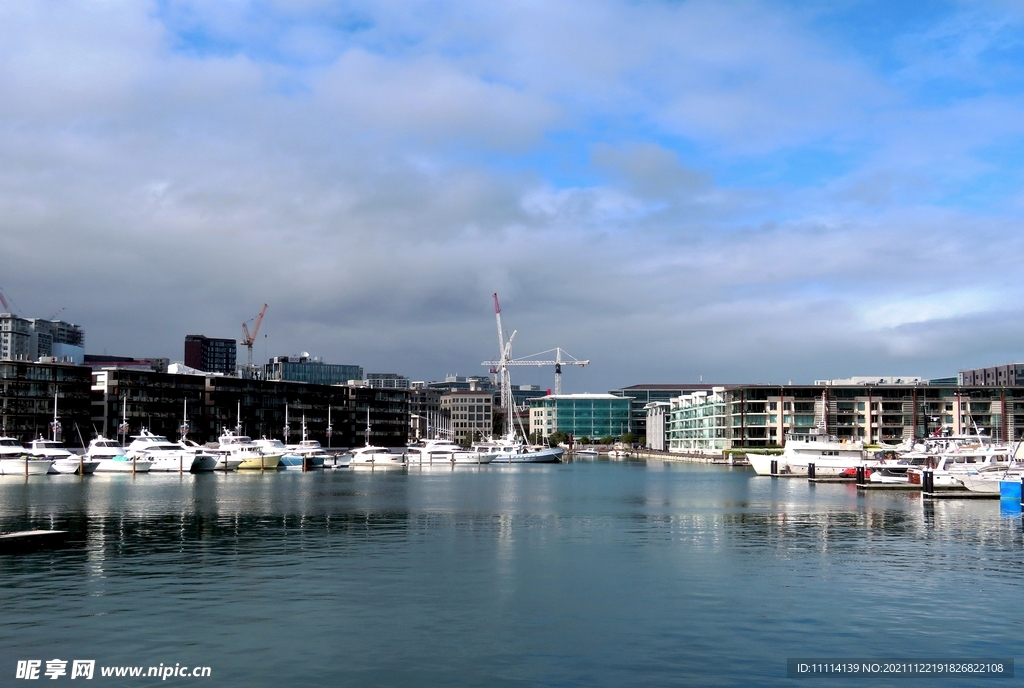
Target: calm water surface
[(588, 573)]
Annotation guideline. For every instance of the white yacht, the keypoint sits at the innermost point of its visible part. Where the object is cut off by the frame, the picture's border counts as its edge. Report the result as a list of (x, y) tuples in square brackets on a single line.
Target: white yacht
[(251, 454), (512, 449), (165, 455), (337, 458), (376, 457), (445, 453), (987, 478), (62, 461), (830, 455), (950, 467), (14, 459), (112, 458), (308, 452), (205, 459)]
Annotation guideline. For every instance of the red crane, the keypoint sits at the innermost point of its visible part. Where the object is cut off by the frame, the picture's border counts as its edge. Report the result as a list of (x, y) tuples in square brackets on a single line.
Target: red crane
[(250, 339)]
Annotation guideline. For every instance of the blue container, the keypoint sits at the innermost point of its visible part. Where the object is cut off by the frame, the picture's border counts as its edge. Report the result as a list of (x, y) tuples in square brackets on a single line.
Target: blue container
[(1009, 489)]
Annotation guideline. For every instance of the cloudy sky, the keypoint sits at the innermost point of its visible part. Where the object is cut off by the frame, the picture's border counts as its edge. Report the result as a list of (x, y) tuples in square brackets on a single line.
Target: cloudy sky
[(739, 192)]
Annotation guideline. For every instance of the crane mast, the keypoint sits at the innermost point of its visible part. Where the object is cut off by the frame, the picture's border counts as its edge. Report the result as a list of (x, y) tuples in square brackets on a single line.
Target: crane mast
[(249, 340)]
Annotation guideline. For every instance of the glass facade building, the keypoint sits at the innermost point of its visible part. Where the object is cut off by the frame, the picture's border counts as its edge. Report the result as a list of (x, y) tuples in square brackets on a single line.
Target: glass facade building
[(302, 369), (581, 415)]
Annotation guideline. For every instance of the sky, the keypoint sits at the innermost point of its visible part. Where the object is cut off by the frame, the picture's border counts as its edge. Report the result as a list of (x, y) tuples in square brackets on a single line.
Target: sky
[(676, 191)]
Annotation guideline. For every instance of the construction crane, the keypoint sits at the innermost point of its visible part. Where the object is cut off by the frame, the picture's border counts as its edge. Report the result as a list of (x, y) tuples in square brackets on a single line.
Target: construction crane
[(533, 360), (250, 339), (505, 347), (3, 301)]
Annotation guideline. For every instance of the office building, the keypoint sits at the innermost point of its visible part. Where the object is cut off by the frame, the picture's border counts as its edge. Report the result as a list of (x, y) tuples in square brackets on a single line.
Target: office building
[(211, 355), (387, 381), (471, 414), (641, 395), (311, 369), (593, 416)]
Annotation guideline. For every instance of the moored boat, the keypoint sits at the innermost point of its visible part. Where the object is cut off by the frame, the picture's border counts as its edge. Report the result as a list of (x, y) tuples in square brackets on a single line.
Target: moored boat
[(250, 454), (376, 457), (111, 457), (445, 453)]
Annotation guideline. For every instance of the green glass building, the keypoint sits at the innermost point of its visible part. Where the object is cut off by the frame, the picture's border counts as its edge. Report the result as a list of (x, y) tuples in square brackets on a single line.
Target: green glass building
[(581, 415)]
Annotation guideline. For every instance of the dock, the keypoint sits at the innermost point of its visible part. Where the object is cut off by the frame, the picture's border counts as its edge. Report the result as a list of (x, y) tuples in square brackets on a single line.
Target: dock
[(893, 487), (832, 480), (958, 494), (32, 541)]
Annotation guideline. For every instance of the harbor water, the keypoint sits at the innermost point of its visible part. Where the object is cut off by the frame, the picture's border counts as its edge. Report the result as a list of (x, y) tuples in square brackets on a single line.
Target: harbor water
[(590, 573)]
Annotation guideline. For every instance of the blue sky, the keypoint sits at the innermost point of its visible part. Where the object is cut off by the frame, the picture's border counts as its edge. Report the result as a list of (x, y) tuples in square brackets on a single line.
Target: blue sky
[(748, 191)]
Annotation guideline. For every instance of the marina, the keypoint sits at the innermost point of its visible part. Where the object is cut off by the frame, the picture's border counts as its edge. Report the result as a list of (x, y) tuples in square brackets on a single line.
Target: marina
[(465, 572)]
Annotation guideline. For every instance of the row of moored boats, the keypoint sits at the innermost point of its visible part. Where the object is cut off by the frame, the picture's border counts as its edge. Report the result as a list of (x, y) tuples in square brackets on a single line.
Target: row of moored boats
[(149, 452), (972, 462)]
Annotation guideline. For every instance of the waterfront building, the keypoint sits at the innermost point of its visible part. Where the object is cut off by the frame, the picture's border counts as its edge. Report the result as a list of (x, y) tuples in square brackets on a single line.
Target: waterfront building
[(885, 410), (581, 415), (658, 414), (26, 400), (641, 395), (211, 355), (387, 381), (217, 403), (306, 368), (425, 420), (471, 413)]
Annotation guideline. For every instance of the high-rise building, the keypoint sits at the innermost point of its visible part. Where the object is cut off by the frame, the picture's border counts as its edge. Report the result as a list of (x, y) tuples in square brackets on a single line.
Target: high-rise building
[(210, 355), (29, 339)]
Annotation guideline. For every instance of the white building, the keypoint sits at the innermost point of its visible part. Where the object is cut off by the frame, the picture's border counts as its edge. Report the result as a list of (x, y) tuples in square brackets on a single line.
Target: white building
[(658, 415)]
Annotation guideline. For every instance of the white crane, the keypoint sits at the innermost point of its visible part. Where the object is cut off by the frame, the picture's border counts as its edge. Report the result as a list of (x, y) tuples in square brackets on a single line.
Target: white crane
[(532, 360)]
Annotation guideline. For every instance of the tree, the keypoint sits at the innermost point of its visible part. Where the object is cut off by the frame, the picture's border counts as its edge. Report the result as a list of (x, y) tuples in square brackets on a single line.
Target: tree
[(607, 439), (558, 437), (628, 438), (498, 422), (584, 440), (536, 437)]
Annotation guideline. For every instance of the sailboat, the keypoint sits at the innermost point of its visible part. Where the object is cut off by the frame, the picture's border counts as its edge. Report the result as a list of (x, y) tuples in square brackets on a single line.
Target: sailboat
[(204, 460), (53, 449), (307, 453), (512, 447)]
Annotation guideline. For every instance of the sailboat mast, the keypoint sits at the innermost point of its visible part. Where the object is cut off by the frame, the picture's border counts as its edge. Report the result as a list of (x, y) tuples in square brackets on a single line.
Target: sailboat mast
[(54, 424)]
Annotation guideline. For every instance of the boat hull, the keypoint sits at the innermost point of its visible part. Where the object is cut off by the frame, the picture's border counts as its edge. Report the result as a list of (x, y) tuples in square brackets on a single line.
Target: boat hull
[(19, 467), (553, 455), (797, 464), (72, 466), (294, 462), (266, 463), (122, 465)]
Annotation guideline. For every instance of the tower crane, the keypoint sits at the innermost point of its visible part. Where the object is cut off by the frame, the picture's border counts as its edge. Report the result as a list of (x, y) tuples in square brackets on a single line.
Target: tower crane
[(533, 360), (249, 340)]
